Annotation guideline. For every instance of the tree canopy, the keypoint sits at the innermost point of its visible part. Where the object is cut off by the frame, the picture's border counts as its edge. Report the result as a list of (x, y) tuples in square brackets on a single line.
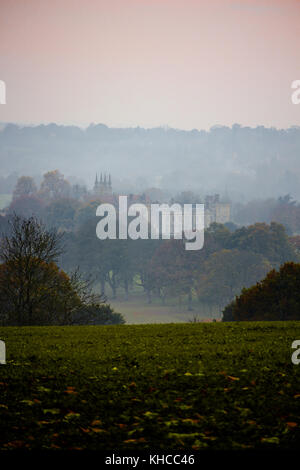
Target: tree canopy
[(34, 290), (276, 297)]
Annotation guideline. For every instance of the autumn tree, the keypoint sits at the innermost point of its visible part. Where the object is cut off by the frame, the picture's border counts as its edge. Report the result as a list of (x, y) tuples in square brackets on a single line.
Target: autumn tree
[(25, 187), (27, 206), (287, 213), (26, 253), (225, 273), (109, 261), (141, 253), (172, 270), (86, 212), (276, 297), (271, 241), (60, 214), (33, 290), (54, 186), (88, 252)]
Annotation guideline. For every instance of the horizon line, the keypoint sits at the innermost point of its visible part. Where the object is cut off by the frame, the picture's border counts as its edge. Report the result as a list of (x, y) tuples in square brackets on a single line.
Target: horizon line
[(165, 127)]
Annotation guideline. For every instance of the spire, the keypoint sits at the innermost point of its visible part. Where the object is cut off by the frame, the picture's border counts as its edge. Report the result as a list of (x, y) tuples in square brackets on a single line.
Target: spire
[(101, 178), (96, 181), (105, 179), (109, 181)]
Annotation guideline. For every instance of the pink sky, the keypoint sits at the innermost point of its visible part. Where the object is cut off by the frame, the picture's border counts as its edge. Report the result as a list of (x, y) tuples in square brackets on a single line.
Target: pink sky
[(183, 63)]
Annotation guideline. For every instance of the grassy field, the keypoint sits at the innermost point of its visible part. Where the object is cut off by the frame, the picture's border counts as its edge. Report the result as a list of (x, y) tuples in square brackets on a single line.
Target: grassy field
[(135, 311), (168, 386)]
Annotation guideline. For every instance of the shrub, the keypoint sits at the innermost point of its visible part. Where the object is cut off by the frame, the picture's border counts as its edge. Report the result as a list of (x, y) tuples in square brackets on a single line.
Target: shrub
[(276, 297)]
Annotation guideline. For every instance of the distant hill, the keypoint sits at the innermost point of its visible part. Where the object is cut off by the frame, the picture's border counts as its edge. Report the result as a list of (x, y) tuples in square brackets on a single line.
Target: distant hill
[(255, 162)]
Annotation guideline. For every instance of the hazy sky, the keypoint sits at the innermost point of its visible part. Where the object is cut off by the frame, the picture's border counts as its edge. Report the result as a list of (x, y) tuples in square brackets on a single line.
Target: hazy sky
[(183, 63)]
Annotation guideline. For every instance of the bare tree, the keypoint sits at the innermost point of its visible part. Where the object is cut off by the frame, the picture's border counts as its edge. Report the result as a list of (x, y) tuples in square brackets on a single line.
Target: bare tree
[(28, 271), (28, 239)]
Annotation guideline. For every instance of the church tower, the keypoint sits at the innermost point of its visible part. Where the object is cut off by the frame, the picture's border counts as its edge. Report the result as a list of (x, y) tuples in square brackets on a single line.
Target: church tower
[(96, 184), (103, 186)]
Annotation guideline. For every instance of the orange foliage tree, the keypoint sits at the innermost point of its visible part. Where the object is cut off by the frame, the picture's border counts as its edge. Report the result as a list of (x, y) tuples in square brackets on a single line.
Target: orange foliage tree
[(276, 297), (36, 292), (33, 290)]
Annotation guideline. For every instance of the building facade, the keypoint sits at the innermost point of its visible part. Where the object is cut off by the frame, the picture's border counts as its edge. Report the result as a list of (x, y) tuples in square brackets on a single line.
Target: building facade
[(216, 211)]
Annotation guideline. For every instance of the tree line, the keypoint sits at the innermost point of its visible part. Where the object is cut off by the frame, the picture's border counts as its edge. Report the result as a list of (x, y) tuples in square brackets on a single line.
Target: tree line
[(232, 258), (228, 262)]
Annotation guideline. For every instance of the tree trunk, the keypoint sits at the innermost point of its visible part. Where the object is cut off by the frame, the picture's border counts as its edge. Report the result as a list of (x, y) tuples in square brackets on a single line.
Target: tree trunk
[(190, 307), (114, 291), (126, 289), (102, 287)]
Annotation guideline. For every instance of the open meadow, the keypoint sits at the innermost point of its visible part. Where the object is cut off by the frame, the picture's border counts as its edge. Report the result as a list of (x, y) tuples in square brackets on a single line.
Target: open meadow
[(166, 386), (135, 311)]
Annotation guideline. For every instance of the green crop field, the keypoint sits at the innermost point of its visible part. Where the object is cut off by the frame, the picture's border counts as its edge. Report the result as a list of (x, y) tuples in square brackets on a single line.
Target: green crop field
[(163, 386)]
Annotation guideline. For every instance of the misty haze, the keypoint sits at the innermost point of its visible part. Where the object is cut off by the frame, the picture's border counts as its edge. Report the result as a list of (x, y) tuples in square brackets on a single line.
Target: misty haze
[(150, 230), (244, 163)]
